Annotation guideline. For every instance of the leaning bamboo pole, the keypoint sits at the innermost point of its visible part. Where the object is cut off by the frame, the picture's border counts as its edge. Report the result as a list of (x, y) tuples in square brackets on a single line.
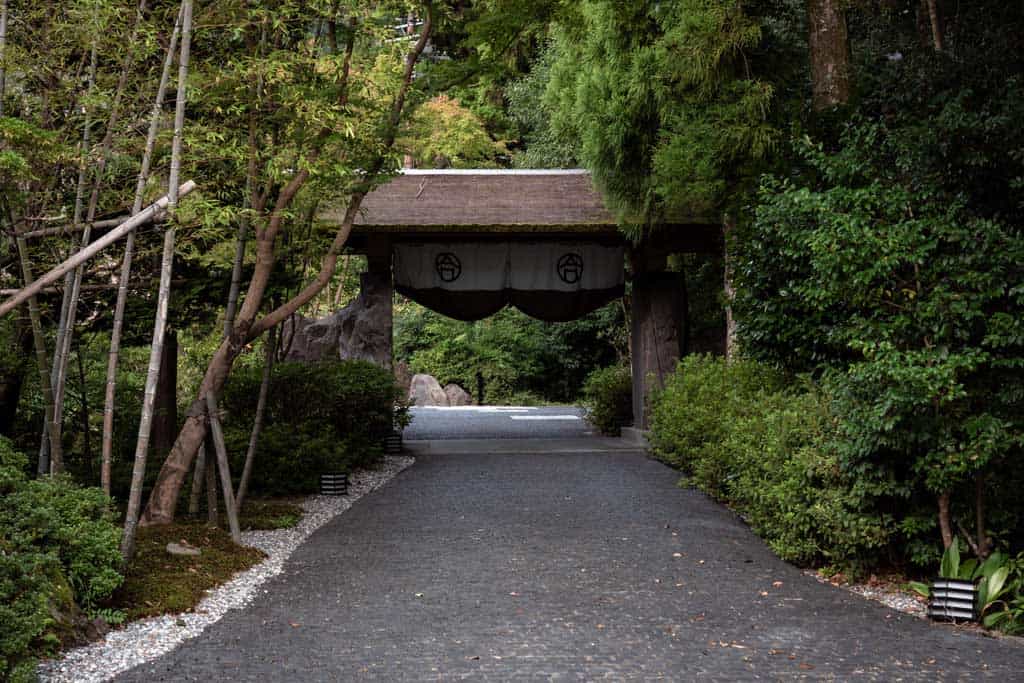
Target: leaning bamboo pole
[(96, 247), (223, 467), (113, 357), (163, 299)]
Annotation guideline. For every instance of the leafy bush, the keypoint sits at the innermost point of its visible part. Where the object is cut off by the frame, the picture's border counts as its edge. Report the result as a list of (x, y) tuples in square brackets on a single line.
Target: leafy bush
[(58, 548), (765, 451), (320, 417), (690, 418), (608, 394)]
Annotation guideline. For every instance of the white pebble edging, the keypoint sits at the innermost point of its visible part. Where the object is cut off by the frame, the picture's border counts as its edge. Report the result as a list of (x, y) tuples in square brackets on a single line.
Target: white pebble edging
[(147, 639)]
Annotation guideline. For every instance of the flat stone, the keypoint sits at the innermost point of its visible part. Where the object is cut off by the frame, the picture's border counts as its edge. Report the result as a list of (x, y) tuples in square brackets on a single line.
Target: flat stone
[(184, 551)]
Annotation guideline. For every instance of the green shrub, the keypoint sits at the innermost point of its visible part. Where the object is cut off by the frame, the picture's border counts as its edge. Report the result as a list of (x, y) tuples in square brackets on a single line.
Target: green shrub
[(608, 395), (329, 416), (58, 548), (691, 417), (766, 451)]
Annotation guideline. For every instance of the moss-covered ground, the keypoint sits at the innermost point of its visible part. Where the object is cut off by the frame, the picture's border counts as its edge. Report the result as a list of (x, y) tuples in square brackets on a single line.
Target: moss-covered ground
[(159, 583)]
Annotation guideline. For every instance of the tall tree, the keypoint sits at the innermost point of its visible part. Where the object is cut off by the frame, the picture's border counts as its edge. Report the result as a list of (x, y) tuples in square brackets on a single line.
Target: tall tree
[(830, 53)]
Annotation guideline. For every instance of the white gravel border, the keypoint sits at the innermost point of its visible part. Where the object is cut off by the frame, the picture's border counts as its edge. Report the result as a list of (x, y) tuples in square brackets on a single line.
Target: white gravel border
[(888, 594), (147, 639)]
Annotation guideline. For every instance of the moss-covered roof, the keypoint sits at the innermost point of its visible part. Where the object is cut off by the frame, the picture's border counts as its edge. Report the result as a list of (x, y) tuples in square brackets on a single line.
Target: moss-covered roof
[(485, 201)]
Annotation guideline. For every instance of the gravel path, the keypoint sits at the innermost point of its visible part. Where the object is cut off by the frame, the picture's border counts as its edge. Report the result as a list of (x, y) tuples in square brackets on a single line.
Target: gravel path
[(561, 566), (147, 639)]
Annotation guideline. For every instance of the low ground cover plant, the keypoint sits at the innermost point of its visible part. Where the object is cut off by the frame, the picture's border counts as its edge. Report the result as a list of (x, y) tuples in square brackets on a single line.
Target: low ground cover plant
[(58, 556)]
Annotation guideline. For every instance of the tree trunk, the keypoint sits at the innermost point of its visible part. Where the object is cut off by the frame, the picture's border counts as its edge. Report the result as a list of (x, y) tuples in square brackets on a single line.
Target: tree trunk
[(731, 343), (830, 53), (164, 498), (984, 544), (126, 263), (165, 415), (935, 23), (257, 424), (945, 520), (142, 446)]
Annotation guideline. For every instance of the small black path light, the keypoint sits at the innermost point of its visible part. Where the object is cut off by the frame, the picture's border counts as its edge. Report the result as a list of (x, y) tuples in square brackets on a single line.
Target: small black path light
[(334, 484)]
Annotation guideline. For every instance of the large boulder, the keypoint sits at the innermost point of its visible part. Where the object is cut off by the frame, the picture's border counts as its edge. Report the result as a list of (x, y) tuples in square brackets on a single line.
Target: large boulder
[(457, 396), (426, 391), (360, 331)]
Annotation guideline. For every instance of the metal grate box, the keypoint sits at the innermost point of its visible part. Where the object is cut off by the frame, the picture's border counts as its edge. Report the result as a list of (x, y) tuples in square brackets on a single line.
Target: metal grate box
[(334, 484), (953, 600)]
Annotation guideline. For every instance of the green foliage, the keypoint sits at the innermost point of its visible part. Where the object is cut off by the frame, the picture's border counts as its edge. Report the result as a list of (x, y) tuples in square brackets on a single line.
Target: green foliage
[(442, 133), (764, 450), (513, 352), (320, 417), (664, 100), (608, 396), (58, 547)]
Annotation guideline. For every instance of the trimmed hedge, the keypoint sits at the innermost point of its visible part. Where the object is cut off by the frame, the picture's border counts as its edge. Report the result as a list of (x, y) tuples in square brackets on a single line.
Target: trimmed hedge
[(608, 395), (330, 416), (768, 452), (58, 551)]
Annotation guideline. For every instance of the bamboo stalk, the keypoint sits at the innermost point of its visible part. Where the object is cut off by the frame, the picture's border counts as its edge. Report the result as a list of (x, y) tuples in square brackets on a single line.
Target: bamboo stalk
[(257, 424), (114, 355), (40, 349), (3, 51), (69, 305), (197, 482), (163, 298), (210, 474), (68, 229), (96, 247), (224, 467)]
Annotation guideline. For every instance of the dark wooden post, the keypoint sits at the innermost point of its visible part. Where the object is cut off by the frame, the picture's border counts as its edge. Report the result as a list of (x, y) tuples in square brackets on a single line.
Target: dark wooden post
[(658, 310), (377, 289)]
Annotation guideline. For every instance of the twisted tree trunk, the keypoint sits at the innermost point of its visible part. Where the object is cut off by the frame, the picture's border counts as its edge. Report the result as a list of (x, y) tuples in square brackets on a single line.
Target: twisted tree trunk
[(164, 498)]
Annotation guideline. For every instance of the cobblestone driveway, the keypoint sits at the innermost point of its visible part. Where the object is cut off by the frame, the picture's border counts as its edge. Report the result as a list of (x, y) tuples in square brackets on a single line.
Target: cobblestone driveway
[(570, 566)]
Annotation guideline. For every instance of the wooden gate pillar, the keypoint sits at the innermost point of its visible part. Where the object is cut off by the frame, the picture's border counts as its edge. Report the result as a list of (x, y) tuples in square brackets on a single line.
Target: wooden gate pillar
[(658, 311)]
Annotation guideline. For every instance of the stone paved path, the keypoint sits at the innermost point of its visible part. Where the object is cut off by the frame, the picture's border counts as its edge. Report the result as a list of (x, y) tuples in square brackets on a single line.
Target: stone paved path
[(572, 566)]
